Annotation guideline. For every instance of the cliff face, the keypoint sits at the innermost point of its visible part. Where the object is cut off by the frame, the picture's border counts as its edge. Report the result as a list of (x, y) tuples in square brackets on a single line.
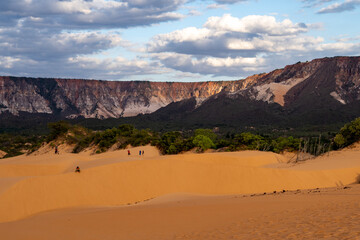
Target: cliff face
[(330, 79), (99, 99), (337, 77)]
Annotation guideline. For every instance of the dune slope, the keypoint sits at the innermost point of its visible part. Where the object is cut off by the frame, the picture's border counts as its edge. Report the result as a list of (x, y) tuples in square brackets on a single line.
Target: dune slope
[(33, 184)]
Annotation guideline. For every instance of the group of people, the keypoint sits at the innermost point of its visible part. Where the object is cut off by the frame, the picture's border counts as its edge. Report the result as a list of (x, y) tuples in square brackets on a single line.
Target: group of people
[(77, 169), (141, 152)]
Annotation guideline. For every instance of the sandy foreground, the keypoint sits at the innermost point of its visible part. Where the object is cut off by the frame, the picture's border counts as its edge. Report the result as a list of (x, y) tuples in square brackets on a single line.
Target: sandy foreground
[(188, 196)]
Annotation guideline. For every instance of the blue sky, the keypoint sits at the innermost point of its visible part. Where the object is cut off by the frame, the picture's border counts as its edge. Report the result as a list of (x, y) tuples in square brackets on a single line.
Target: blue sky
[(177, 40)]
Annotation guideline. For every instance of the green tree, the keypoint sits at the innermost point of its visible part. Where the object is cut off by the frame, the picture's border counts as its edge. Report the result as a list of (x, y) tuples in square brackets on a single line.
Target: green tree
[(348, 134), (57, 129), (247, 141), (173, 143), (203, 142), (206, 132), (339, 140), (126, 130)]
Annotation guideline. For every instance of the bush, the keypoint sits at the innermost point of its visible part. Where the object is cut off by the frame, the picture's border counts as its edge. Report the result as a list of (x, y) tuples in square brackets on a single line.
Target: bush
[(84, 143), (339, 140), (206, 132), (57, 129), (285, 143), (173, 143), (247, 141), (203, 142), (348, 134)]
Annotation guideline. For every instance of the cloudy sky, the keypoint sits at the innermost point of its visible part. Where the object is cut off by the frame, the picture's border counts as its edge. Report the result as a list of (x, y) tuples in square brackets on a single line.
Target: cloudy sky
[(171, 40)]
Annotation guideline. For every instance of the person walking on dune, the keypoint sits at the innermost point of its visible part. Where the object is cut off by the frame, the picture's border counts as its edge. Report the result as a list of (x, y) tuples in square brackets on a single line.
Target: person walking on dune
[(77, 169), (128, 152)]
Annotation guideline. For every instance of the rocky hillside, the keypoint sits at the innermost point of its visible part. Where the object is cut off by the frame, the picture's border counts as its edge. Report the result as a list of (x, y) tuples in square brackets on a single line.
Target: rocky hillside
[(99, 99), (323, 92), (325, 89)]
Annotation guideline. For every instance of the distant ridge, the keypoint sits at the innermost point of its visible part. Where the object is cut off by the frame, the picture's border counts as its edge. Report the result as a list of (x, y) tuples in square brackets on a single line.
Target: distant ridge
[(322, 91)]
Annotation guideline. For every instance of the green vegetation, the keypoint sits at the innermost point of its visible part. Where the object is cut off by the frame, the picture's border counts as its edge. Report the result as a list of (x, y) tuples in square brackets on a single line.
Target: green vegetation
[(175, 142), (203, 142), (123, 135), (348, 134), (15, 145)]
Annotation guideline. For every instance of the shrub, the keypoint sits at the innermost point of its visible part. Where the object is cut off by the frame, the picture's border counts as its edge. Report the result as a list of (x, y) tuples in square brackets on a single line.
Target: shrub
[(206, 132), (57, 129), (203, 142), (348, 134)]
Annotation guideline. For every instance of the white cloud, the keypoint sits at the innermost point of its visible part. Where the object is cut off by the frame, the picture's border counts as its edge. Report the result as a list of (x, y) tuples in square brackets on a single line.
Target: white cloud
[(230, 46), (89, 14), (210, 65), (8, 62), (229, 36), (347, 5), (217, 6), (42, 45), (115, 67), (254, 24), (81, 67)]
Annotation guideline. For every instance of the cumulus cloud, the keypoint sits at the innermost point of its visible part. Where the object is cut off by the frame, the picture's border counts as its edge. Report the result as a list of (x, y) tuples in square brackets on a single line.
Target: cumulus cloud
[(254, 24), (80, 67), (210, 65), (88, 14), (231, 46), (60, 37), (229, 36), (347, 5), (45, 45)]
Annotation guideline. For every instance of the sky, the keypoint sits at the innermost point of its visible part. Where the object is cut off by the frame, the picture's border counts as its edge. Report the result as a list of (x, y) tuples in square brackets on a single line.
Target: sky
[(171, 40)]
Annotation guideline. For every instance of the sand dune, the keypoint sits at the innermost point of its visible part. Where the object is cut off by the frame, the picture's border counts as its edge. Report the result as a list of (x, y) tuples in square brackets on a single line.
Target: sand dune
[(320, 214), (43, 182)]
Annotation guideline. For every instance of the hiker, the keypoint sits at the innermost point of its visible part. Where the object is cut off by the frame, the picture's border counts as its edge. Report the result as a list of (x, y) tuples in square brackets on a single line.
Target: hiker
[(143, 152), (56, 149), (140, 153), (129, 152), (77, 169)]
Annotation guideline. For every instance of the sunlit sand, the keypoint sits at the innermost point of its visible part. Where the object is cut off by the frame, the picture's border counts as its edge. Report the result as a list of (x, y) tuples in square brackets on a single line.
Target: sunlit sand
[(240, 195)]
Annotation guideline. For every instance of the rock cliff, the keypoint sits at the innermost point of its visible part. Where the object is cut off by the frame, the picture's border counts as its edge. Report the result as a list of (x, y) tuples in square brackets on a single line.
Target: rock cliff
[(100, 99), (335, 78)]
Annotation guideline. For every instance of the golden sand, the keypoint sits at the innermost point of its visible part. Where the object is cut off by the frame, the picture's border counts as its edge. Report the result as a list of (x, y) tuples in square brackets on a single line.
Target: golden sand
[(188, 196)]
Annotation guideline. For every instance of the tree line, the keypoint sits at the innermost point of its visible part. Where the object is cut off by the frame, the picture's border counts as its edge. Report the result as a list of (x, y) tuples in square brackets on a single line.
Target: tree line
[(175, 142)]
